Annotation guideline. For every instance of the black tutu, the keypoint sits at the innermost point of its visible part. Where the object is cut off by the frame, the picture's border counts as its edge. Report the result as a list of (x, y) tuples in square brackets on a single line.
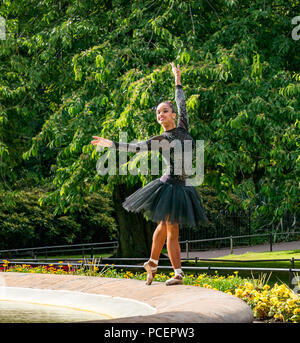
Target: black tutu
[(161, 201)]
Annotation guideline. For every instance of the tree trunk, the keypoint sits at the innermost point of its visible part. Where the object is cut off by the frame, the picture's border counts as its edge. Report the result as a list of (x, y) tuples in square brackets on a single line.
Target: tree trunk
[(257, 175), (135, 233)]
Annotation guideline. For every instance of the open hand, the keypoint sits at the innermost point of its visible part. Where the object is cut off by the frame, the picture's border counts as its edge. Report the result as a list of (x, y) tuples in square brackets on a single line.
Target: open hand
[(102, 141), (176, 71)]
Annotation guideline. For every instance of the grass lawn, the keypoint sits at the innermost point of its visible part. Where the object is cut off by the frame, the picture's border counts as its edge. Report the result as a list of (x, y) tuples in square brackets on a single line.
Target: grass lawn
[(274, 277), (284, 254)]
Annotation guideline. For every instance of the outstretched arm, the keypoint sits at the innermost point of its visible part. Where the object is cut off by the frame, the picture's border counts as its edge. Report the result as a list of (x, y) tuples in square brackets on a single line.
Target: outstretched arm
[(140, 146), (183, 120), (130, 147)]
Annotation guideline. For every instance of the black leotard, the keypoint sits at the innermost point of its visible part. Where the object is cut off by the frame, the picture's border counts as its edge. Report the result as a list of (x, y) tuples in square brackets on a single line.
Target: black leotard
[(179, 133)]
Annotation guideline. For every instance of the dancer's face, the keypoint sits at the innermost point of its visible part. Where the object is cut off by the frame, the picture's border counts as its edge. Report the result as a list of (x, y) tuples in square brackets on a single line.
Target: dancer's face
[(164, 114)]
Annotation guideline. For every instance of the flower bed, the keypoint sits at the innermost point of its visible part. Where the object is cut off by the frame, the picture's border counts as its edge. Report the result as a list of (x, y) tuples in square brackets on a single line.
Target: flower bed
[(278, 303)]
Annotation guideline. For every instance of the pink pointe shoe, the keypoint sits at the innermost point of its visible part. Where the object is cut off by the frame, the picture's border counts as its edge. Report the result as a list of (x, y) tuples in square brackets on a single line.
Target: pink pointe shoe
[(151, 271), (175, 280)]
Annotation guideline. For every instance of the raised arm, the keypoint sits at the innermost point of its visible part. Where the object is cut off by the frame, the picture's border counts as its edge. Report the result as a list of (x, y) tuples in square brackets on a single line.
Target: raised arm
[(183, 120)]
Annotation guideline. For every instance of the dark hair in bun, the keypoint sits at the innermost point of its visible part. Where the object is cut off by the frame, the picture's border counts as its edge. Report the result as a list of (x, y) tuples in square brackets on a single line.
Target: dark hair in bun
[(168, 102)]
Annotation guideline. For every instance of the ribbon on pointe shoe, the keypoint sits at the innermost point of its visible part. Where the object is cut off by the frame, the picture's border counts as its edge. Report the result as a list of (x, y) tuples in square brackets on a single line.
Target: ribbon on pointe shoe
[(175, 280), (150, 270)]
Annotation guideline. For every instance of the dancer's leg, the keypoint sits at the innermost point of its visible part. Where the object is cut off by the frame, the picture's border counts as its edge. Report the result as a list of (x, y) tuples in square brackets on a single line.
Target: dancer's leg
[(174, 254), (173, 244), (158, 241)]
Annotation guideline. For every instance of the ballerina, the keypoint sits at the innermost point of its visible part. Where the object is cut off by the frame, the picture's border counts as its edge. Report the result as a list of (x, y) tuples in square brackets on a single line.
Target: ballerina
[(166, 200)]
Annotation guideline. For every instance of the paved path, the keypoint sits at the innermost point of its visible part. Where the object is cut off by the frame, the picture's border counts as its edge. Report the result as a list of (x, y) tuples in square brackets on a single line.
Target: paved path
[(295, 245)]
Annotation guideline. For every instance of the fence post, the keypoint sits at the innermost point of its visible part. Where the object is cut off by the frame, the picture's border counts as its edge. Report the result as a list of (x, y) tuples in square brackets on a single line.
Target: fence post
[(293, 263), (271, 242), (249, 226), (32, 254), (92, 252), (231, 245), (187, 248), (291, 275)]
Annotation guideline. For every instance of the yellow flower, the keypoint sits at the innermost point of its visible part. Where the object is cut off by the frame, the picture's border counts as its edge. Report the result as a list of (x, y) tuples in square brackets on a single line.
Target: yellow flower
[(266, 287), (296, 311), (238, 292), (249, 285), (274, 300), (264, 293), (279, 316), (291, 302)]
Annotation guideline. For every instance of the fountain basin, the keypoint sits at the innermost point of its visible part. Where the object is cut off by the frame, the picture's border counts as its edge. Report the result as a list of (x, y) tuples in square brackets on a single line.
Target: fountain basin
[(19, 304), (167, 304)]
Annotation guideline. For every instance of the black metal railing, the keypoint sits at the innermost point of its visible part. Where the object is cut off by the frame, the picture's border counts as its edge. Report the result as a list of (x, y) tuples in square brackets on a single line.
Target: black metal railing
[(80, 249), (91, 249), (242, 224), (193, 245)]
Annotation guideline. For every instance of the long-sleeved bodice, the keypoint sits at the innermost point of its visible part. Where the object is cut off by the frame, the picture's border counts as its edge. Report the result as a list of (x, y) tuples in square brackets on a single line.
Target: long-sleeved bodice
[(174, 153)]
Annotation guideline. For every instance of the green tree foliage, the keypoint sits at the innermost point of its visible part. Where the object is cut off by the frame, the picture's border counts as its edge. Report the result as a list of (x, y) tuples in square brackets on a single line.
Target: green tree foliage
[(73, 69), (24, 223)]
